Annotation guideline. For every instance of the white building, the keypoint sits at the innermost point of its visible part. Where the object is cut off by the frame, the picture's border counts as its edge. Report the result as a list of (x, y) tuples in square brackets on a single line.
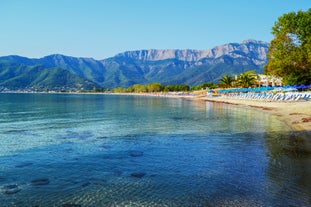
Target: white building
[(269, 80)]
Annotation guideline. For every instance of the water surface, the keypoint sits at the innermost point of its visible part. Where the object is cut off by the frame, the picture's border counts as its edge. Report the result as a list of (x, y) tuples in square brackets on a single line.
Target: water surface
[(105, 150)]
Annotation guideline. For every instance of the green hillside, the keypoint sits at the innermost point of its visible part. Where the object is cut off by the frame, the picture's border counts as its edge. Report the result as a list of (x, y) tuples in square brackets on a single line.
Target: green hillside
[(15, 77)]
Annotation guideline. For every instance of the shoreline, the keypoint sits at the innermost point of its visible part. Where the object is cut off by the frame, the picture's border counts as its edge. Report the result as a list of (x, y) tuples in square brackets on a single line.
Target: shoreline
[(296, 115)]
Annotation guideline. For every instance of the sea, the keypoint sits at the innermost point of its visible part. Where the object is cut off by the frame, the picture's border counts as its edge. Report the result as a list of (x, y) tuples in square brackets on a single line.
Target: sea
[(72, 150)]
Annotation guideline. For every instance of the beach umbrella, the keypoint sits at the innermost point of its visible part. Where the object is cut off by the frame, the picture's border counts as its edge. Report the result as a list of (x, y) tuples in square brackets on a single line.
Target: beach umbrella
[(270, 88), (298, 86), (278, 89), (290, 89), (302, 86)]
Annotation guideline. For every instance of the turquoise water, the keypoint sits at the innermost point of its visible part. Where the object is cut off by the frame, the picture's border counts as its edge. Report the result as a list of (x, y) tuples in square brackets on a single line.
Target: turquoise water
[(106, 150)]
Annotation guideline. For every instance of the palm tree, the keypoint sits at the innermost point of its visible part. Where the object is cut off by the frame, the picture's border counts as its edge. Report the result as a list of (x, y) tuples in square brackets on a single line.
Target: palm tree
[(227, 81), (246, 80)]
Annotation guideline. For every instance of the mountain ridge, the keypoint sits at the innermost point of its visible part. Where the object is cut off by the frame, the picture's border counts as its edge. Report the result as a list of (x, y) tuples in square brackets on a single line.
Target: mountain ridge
[(195, 55), (168, 66)]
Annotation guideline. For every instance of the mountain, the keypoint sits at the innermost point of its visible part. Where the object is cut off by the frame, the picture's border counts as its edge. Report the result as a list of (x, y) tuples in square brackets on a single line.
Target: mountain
[(17, 76), (250, 48), (192, 67)]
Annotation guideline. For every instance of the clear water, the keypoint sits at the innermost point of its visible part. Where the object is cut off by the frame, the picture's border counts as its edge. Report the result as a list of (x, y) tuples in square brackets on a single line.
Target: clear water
[(105, 150)]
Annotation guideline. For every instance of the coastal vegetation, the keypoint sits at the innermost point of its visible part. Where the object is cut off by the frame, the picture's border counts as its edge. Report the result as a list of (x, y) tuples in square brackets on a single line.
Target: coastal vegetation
[(290, 51), (244, 80), (289, 54), (227, 81), (247, 79), (158, 87)]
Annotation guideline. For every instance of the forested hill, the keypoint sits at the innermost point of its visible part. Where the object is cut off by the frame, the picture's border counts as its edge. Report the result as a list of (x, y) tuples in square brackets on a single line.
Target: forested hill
[(192, 67)]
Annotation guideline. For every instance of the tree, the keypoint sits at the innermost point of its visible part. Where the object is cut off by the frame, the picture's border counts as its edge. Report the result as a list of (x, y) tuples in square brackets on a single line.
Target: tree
[(184, 87), (118, 90), (204, 86), (227, 81), (154, 87), (290, 50), (137, 88), (246, 80)]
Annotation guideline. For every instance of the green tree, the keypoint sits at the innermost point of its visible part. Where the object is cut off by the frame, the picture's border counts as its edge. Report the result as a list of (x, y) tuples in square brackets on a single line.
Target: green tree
[(227, 81), (139, 88), (173, 88), (154, 87), (246, 80), (97, 90), (204, 86), (290, 50), (166, 89), (119, 90), (184, 87)]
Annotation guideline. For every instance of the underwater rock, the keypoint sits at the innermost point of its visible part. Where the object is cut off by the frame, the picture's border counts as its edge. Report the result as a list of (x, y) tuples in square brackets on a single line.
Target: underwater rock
[(106, 146), (138, 174), (71, 205), (25, 164), (85, 184), (10, 189), (77, 135), (96, 181), (40, 181), (102, 137), (117, 173), (134, 153)]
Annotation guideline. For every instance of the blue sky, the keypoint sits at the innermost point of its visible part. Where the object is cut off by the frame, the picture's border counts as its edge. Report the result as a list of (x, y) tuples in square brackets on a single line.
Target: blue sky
[(103, 28)]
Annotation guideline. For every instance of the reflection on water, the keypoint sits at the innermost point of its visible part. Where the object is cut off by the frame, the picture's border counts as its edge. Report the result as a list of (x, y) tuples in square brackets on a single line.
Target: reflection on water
[(95, 150)]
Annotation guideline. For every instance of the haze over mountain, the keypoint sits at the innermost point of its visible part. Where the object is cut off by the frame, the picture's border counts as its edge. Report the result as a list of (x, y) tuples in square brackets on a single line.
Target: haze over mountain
[(192, 67)]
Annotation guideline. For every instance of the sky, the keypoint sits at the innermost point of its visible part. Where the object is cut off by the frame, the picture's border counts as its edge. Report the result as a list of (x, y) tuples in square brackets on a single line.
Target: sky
[(103, 28)]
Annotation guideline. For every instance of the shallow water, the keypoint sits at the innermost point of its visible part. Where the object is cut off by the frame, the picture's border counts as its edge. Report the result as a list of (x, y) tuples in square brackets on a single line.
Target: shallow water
[(105, 150)]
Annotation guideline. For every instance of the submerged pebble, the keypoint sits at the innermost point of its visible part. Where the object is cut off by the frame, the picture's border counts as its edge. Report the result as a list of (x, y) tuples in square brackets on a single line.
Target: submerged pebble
[(134, 153), (117, 173), (25, 164), (71, 205), (85, 184), (138, 174), (40, 181), (93, 181), (77, 135), (10, 189)]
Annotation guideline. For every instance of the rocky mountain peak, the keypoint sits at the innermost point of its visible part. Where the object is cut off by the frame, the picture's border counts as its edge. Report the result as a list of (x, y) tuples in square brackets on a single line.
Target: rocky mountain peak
[(247, 41), (256, 49)]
